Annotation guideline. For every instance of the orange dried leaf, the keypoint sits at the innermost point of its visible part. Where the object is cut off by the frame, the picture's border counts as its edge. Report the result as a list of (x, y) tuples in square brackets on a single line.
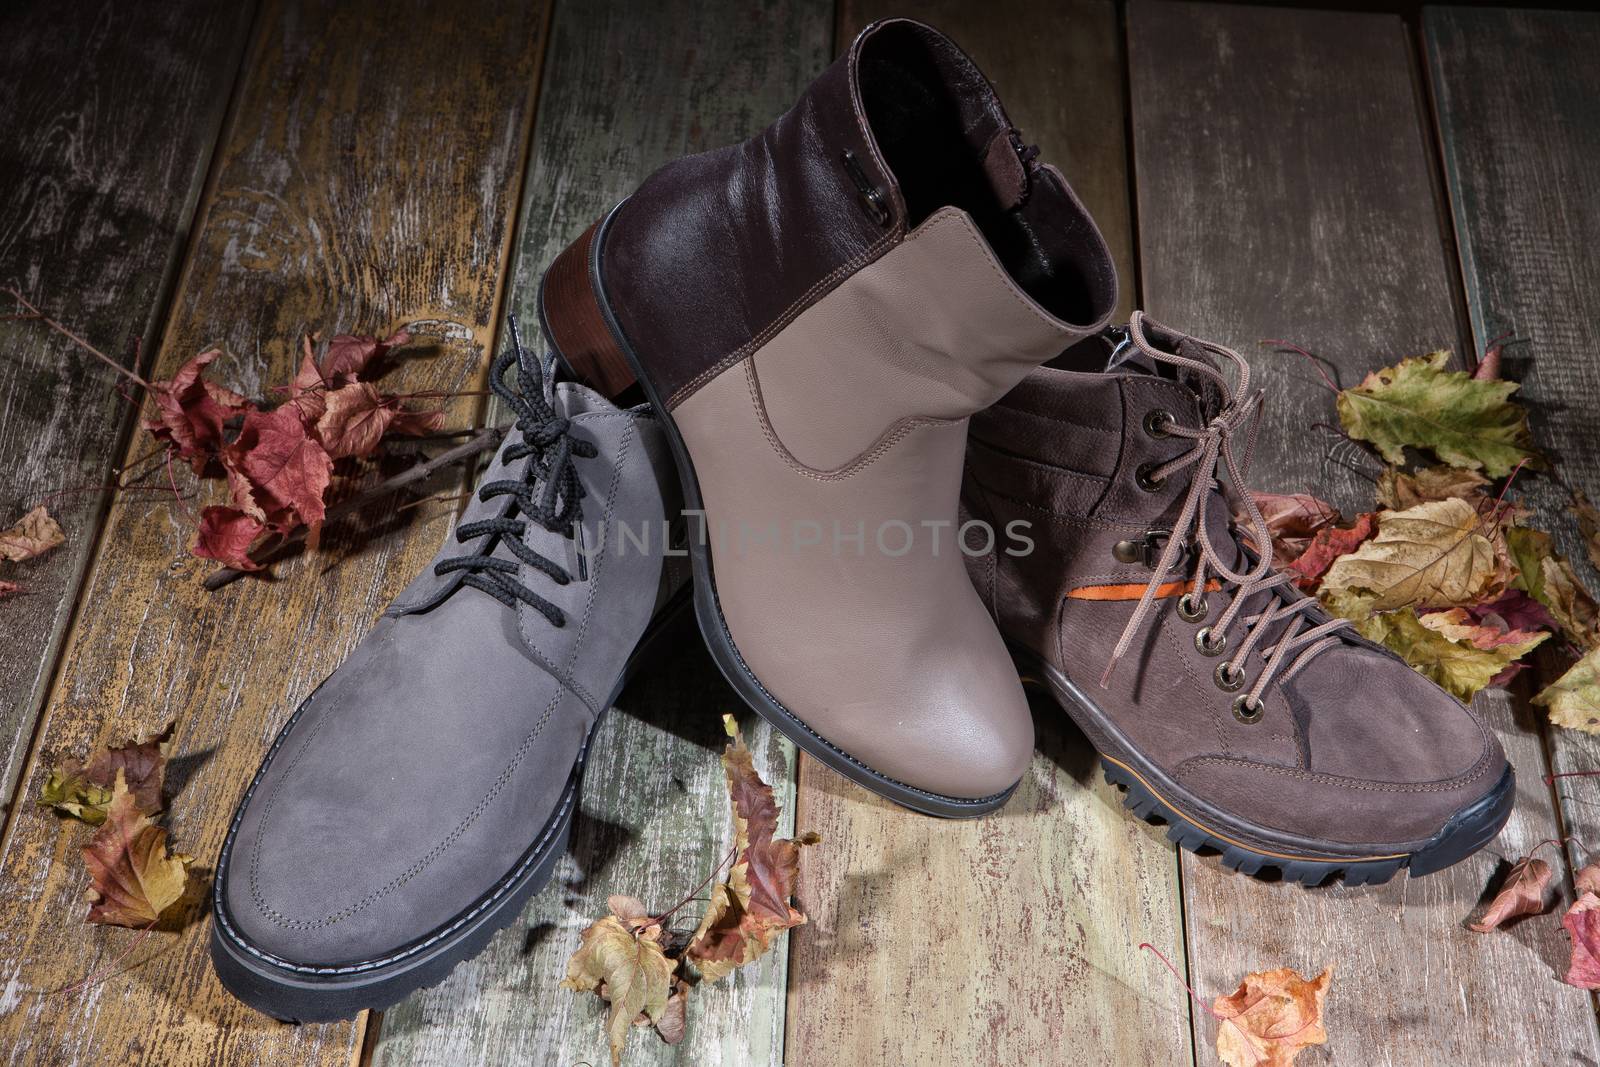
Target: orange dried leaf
[(133, 878), (1522, 893), (1271, 1017)]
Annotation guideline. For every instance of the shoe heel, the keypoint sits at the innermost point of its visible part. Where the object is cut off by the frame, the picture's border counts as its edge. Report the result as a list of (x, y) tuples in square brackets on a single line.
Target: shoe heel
[(570, 312)]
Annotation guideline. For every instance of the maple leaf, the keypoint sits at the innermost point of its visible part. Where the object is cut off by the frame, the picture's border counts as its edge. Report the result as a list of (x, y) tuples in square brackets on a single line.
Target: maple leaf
[(1423, 404), (1458, 667), (1458, 625), (1582, 923), (1569, 602), (750, 908), (132, 876), (34, 534), (85, 792), (1398, 490), (626, 967), (1522, 893), (349, 355), (1271, 1018), (1514, 610), (1432, 554), (190, 412), (675, 1018), (1329, 544), (226, 534), (1573, 699), (1293, 519), (1588, 525), (287, 469), (354, 419), (415, 423)]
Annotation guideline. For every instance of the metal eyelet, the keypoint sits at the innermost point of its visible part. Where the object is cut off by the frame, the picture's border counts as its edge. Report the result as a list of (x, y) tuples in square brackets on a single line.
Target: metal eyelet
[(1228, 680), (1202, 642), (1192, 610), (1144, 476), (1244, 712), (1156, 423)]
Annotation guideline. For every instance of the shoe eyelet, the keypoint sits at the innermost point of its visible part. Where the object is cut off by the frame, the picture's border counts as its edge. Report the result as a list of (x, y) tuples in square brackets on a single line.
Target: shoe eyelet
[(1227, 679), (1156, 423), (1145, 477), (1192, 610), (1244, 712), (1202, 642)]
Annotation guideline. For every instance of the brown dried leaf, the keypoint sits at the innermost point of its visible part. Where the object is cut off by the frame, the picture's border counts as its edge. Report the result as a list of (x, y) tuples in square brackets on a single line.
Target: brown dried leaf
[(1271, 1018), (85, 792), (1293, 519), (1587, 880), (132, 876), (8, 588), (627, 968), (34, 534), (1433, 554), (1522, 893), (1588, 525), (1398, 490), (674, 1020)]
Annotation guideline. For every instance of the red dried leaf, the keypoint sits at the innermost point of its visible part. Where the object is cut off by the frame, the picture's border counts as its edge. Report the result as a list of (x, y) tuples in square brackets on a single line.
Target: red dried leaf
[(1582, 923), (1488, 368), (8, 588), (1328, 545), (349, 355), (226, 534), (1522, 893), (414, 423), (288, 469), (308, 389), (354, 419), (189, 412), (1458, 624), (1293, 519)]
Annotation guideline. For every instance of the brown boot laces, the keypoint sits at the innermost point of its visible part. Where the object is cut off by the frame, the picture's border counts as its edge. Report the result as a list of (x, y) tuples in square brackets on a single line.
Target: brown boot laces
[(1214, 448)]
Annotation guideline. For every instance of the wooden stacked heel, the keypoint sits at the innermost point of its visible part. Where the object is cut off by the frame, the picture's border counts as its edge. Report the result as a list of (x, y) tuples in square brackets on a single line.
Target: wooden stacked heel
[(575, 325)]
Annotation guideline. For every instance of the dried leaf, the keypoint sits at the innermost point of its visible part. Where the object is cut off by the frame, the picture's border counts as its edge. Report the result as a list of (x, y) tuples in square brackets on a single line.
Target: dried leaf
[(1587, 880), (288, 470), (627, 968), (34, 534), (1293, 519), (190, 412), (630, 910), (1588, 525), (1459, 667), (85, 792), (674, 1020), (1328, 545), (1573, 699), (1514, 610), (1398, 490), (1433, 554), (8, 588), (1528, 548), (1458, 625), (1522, 893), (226, 534), (415, 423), (1582, 923), (1421, 403), (133, 878), (349, 355), (1569, 602), (1271, 1017), (354, 419)]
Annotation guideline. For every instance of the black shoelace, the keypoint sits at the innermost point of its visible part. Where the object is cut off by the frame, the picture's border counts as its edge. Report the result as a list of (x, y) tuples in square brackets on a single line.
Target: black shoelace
[(548, 494)]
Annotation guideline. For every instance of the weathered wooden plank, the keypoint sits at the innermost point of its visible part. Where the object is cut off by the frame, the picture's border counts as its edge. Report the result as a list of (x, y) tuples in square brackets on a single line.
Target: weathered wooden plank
[(626, 89), (109, 113), (1284, 191), (1522, 163), (365, 179), (1015, 937)]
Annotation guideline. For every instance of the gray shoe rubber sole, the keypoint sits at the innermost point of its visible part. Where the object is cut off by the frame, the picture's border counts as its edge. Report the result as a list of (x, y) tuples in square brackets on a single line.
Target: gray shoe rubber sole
[(295, 992), (708, 610), (1255, 850)]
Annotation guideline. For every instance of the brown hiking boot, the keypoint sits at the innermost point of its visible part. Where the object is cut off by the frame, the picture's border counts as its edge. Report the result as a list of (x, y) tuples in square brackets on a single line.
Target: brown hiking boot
[(815, 313), (1227, 702)]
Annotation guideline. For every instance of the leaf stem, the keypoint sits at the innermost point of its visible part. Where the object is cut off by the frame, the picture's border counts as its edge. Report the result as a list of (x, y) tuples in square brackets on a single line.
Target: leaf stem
[(79, 341), (664, 916), (1248, 1040)]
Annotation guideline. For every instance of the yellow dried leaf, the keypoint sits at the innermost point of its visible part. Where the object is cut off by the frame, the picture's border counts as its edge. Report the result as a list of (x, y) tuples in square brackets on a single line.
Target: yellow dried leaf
[(1433, 554), (627, 968), (1573, 699)]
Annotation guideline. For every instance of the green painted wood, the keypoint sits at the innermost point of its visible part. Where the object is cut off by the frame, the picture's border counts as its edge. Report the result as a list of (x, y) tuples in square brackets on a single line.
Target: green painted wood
[(627, 88), (108, 115), (1285, 190), (1518, 100)]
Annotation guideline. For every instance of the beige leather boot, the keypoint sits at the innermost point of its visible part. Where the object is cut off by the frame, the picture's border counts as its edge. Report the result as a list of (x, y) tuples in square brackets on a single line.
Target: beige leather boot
[(815, 313)]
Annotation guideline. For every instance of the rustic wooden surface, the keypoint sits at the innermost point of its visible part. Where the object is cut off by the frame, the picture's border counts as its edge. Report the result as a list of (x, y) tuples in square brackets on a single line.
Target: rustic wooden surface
[(108, 114), (345, 196), (1522, 162), (1013, 937), (1284, 190), (626, 89)]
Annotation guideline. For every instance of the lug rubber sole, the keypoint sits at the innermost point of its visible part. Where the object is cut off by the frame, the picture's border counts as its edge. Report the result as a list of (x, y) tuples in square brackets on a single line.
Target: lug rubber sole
[(322, 993), (571, 299), (1194, 825)]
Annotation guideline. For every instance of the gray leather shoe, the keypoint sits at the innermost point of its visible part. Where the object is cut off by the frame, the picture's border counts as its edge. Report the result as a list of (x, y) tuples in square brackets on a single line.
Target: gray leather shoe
[(425, 790)]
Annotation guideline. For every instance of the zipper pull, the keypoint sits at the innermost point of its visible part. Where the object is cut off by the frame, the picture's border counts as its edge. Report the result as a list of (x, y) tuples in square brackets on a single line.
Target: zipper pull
[(872, 197)]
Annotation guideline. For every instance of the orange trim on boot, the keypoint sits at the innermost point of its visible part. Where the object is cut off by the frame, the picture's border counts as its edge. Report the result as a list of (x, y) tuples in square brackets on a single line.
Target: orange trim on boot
[(1133, 591)]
